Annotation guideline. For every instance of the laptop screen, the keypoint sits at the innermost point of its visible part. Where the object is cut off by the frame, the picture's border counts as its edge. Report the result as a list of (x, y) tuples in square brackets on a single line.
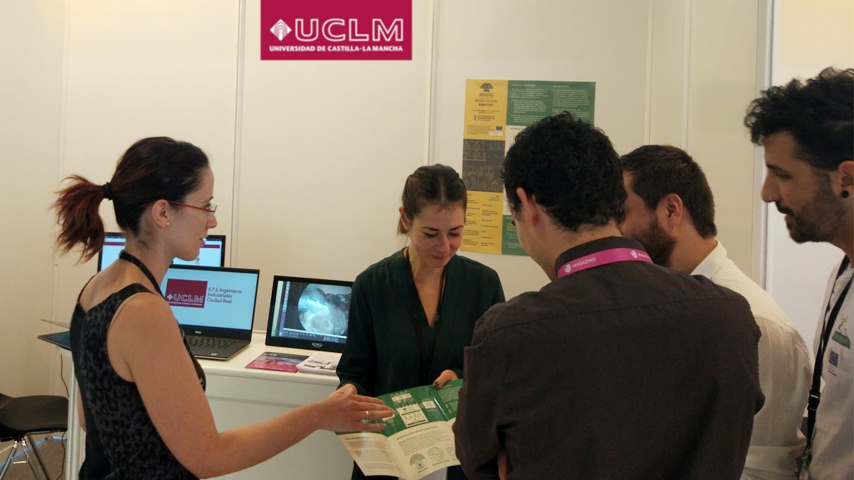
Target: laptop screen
[(222, 298), (212, 254), (309, 313)]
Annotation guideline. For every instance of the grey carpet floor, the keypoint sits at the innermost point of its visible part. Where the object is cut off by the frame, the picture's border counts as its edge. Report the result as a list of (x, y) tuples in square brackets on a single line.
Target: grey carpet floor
[(52, 451)]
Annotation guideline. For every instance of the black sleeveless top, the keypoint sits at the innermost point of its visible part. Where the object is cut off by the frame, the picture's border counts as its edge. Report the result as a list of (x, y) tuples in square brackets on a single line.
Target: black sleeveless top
[(121, 441)]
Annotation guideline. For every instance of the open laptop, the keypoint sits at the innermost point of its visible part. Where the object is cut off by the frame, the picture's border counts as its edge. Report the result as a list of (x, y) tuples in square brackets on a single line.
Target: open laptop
[(214, 306), (60, 339), (212, 253), (309, 313)]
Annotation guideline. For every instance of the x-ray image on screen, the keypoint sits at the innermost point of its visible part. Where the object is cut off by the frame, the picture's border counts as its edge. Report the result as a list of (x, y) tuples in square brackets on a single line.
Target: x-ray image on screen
[(309, 313), (312, 311), (322, 310)]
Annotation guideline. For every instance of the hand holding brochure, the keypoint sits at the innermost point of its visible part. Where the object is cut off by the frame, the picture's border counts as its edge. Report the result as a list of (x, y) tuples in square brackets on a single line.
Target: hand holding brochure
[(417, 441)]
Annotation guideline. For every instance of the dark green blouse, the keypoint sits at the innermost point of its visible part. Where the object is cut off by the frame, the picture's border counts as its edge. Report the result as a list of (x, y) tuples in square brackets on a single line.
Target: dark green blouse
[(381, 355)]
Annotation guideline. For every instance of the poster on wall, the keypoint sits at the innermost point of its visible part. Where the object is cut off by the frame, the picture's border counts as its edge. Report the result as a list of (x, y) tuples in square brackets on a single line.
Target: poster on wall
[(495, 112)]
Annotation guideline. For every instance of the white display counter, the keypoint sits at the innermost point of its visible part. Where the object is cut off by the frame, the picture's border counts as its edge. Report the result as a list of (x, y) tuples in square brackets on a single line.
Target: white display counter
[(240, 396)]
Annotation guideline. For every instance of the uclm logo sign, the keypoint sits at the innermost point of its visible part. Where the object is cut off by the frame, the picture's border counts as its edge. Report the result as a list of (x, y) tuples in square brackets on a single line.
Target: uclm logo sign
[(336, 30)]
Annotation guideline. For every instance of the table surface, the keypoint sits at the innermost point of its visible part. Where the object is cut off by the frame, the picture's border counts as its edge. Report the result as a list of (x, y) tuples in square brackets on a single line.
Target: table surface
[(236, 365)]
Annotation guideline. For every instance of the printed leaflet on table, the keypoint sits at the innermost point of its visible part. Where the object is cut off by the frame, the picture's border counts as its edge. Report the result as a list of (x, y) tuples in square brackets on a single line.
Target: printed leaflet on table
[(321, 363), (280, 362)]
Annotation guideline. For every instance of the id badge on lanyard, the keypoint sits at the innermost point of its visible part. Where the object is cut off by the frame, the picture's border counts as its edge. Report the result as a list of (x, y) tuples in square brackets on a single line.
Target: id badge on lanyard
[(803, 464), (601, 258), (815, 392)]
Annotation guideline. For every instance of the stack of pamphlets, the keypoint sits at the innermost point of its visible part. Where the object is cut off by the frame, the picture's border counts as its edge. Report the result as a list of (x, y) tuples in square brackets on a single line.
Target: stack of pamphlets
[(322, 363), (417, 440)]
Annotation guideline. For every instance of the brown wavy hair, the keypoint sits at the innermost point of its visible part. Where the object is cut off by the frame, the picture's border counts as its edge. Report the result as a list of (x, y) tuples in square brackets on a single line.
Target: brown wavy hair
[(431, 185), (151, 169)]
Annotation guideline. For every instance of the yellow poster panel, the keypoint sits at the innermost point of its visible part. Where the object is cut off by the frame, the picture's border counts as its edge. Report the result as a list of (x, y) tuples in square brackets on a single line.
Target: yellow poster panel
[(482, 232), (486, 109)]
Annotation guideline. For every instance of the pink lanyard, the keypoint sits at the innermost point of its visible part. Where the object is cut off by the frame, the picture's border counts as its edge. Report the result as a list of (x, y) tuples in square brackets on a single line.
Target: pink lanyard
[(612, 255)]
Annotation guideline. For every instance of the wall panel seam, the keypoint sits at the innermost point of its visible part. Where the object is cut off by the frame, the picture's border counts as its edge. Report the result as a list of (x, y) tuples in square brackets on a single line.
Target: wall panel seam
[(647, 128), (686, 71), (238, 130), (432, 85), (764, 63)]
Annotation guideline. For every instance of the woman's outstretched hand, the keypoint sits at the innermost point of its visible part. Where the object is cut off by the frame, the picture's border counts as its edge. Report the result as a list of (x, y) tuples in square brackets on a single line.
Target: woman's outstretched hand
[(346, 411)]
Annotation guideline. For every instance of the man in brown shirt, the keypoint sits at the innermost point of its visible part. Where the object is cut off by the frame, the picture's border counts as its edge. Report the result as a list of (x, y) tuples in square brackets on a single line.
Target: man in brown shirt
[(618, 368)]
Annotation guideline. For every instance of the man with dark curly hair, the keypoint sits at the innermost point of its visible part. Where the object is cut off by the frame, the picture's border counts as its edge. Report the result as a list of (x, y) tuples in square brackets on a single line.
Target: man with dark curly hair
[(618, 368), (807, 129)]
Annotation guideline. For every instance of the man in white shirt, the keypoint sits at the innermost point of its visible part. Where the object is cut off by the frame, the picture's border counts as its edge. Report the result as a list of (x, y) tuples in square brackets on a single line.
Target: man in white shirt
[(670, 210), (807, 129)]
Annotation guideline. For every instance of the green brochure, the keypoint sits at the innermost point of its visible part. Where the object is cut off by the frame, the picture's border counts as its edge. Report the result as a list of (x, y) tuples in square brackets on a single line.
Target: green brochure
[(417, 440)]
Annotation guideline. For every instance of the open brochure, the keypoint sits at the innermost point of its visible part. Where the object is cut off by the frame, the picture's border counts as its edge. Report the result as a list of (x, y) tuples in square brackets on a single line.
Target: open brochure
[(418, 439)]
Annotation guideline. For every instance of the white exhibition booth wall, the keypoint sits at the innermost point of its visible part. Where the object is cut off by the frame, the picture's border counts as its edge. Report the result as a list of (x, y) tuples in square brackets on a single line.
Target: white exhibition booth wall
[(310, 157)]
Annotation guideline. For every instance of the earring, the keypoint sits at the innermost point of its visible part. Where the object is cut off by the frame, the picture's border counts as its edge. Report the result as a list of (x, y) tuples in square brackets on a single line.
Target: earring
[(167, 224), (845, 194)]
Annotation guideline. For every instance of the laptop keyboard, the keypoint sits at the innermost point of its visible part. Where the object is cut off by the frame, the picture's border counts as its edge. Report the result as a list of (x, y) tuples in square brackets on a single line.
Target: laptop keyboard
[(208, 342)]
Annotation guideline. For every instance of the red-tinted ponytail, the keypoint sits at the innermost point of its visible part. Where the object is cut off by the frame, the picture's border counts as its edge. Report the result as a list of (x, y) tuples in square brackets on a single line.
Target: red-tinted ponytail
[(77, 213)]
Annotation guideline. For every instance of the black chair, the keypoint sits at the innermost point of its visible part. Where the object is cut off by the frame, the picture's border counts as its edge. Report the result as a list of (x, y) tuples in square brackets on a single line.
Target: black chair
[(22, 416)]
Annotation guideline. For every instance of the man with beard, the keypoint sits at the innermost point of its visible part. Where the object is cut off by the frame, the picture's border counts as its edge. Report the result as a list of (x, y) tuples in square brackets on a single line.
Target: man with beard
[(807, 129), (618, 368), (671, 211)]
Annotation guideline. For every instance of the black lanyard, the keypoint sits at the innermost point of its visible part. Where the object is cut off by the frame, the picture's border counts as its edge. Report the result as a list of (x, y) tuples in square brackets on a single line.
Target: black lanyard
[(815, 391), (415, 303), (130, 258)]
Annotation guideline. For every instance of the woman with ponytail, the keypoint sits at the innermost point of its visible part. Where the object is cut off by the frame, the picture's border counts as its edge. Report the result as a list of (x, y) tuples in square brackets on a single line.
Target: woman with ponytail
[(142, 399)]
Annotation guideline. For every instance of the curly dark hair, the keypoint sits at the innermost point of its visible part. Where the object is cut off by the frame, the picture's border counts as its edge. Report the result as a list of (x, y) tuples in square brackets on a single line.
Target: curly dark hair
[(571, 169), (659, 170), (818, 113)]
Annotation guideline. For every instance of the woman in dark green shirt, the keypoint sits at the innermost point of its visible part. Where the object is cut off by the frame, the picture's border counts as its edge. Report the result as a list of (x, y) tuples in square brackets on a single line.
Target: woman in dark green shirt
[(413, 313)]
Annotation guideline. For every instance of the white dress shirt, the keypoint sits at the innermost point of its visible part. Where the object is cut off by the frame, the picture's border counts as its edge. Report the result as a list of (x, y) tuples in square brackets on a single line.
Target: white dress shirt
[(833, 441), (785, 373)]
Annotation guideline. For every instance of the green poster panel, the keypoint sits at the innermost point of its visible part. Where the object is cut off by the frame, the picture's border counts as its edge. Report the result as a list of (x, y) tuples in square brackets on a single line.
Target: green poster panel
[(529, 101), (510, 238)]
